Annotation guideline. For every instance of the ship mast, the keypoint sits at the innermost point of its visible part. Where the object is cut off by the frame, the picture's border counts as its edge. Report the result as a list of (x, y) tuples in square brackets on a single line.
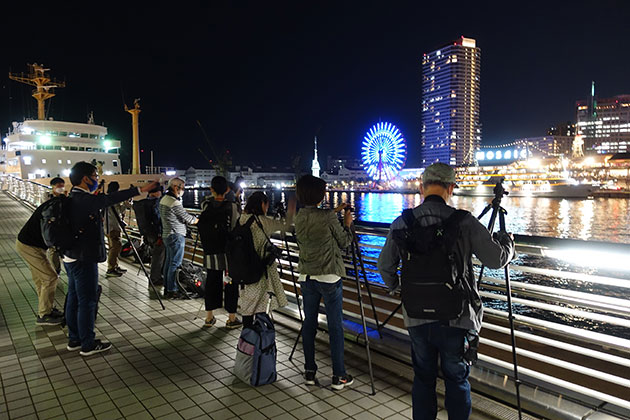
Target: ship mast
[(44, 86), (135, 117)]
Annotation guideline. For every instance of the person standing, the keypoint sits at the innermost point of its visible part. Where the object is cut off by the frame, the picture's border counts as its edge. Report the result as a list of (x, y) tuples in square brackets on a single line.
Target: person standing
[(255, 297), (445, 338), (148, 218), (81, 261), (114, 216), (174, 220), (41, 261), (321, 238), (217, 218)]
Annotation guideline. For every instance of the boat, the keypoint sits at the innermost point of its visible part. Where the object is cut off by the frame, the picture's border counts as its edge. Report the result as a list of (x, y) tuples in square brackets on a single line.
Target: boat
[(521, 182), (45, 148)]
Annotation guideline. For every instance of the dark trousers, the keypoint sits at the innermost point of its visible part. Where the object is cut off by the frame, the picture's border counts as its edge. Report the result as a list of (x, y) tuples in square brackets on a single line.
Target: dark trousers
[(428, 341), (82, 301), (157, 258), (214, 292)]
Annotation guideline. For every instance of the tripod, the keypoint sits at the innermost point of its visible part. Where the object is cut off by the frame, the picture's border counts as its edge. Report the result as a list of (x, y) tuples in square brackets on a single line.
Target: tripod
[(135, 251), (497, 210)]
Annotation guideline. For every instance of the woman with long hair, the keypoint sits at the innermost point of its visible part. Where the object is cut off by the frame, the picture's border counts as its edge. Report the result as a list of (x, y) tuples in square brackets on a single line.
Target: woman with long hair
[(254, 297)]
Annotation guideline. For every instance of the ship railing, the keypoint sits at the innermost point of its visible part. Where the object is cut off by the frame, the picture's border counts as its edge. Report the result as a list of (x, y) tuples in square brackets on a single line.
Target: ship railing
[(572, 319), (26, 190)]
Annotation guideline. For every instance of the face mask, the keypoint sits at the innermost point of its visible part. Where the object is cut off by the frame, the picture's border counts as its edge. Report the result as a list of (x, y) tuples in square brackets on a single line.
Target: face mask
[(94, 185), (60, 190)]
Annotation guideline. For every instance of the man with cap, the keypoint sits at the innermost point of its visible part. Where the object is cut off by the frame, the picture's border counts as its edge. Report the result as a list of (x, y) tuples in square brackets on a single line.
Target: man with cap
[(446, 338)]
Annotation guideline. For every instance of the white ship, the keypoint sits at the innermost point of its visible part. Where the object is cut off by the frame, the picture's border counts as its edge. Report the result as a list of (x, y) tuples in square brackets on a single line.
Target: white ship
[(522, 183), (45, 148)]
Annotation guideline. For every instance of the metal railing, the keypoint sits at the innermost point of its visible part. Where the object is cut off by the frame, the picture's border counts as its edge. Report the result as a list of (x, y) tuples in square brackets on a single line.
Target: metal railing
[(572, 323)]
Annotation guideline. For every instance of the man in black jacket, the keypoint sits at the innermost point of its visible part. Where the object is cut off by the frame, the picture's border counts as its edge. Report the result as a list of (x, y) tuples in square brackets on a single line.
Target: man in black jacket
[(148, 218), (32, 248), (81, 261)]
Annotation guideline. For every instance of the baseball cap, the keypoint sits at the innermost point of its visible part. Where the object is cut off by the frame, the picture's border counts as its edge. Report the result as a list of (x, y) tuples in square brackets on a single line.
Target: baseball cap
[(439, 172)]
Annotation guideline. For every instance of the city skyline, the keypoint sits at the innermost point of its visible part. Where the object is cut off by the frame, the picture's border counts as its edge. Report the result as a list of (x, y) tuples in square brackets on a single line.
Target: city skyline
[(256, 76)]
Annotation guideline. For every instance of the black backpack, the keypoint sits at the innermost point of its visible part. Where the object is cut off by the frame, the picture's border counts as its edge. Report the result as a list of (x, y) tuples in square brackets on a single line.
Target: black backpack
[(432, 285), (191, 278), (56, 224), (244, 264), (214, 226)]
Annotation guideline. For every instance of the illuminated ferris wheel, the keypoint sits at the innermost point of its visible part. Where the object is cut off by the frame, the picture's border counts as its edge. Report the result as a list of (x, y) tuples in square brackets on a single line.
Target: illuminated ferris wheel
[(384, 151)]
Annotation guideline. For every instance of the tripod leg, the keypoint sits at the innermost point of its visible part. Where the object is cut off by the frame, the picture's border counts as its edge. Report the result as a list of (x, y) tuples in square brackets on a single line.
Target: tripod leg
[(135, 251), (508, 292), (297, 340), (367, 284), (390, 316), (365, 331)]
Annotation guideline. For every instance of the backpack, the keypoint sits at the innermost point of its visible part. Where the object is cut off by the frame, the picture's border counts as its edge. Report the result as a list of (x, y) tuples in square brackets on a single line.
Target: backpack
[(191, 278), (432, 285), (244, 264), (56, 224), (213, 227), (256, 352)]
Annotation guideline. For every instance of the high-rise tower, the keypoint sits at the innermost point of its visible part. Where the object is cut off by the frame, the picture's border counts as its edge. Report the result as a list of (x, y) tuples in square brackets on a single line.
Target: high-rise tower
[(451, 131), (315, 166)]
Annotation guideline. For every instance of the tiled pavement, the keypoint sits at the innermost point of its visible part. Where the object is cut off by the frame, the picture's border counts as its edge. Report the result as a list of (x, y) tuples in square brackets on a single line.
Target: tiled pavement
[(163, 364)]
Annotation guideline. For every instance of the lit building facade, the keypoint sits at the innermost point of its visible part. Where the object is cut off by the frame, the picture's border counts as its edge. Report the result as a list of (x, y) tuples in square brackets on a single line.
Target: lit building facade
[(604, 124), (451, 130)]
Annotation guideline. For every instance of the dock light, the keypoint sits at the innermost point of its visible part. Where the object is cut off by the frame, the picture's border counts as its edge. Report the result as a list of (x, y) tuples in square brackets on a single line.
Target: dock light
[(45, 140), (107, 144), (590, 258), (170, 173)]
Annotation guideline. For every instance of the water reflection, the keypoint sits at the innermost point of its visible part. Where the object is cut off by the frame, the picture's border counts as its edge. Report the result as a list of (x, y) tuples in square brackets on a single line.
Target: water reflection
[(605, 219)]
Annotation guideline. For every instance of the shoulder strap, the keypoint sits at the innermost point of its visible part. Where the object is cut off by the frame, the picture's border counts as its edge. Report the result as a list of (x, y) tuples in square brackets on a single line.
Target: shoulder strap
[(408, 217), (456, 217), (249, 223)]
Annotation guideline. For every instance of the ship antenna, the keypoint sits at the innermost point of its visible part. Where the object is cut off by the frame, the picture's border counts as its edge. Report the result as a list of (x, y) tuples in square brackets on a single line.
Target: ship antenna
[(44, 86)]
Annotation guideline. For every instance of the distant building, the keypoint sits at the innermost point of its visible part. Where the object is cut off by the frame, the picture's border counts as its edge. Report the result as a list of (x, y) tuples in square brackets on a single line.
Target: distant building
[(201, 178), (563, 129), (604, 123), (451, 130), (334, 163), (346, 174), (549, 145)]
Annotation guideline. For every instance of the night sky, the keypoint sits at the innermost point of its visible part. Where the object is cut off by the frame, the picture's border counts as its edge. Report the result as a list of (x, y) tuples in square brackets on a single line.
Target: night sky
[(264, 77)]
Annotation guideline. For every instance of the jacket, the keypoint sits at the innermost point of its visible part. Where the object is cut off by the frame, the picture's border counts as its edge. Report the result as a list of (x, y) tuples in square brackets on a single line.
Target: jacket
[(110, 216), (321, 237), (31, 232), (174, 217), (474, 239), (148, 217), (87, 221)]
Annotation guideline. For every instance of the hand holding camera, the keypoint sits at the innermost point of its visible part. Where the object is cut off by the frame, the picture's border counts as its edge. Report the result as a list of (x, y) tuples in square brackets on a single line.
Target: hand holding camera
[(347, 216)]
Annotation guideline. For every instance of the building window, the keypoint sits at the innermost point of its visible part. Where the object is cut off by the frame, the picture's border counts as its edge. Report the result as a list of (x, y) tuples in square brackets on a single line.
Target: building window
[(69, 162), (43, 160), (115, 163), (59, 161)]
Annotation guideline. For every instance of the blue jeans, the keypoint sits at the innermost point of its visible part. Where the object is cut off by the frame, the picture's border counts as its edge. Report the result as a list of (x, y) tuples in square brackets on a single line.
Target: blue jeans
[(427, 341), (174, 244), (312, 292), (82, 301)]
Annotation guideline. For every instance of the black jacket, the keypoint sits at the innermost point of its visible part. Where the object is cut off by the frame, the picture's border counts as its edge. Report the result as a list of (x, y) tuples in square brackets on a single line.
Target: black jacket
[(87, 219), (31, 233), (148, 217)]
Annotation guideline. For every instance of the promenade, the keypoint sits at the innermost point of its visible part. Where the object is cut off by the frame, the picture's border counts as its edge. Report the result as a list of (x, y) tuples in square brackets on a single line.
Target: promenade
[(163, 365)]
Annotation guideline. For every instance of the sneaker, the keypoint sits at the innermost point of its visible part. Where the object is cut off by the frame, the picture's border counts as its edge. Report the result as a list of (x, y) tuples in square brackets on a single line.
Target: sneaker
[(73, 346), (113, 273), (231, 325), (49, 320), (339, 382), (309, 377), (56, 313), (122, 270), (210, 323), (99, 347)]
